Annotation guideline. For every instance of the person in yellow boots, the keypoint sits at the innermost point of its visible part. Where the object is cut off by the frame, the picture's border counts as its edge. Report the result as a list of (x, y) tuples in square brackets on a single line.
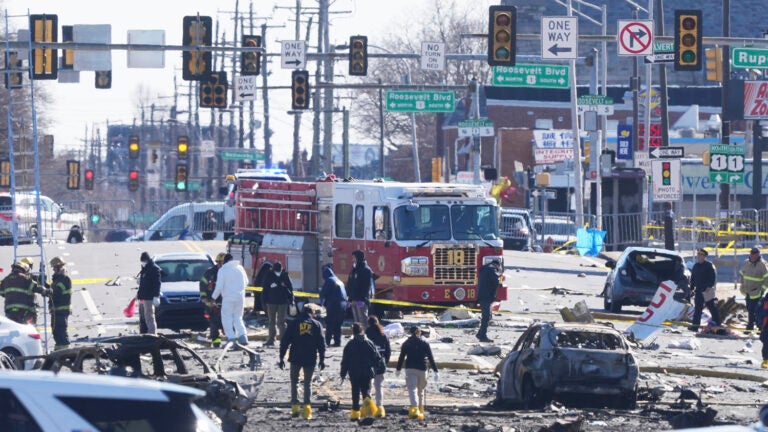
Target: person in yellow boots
[(375, 332), (359, 361), (415, 353), (753, 276)]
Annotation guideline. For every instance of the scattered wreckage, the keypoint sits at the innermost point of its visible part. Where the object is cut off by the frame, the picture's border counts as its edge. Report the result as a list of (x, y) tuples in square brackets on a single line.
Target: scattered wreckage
[(159, 358), (552, 360)]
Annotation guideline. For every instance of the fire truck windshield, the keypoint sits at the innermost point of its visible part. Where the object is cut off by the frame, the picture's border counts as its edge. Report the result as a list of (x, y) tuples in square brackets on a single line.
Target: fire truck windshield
[(441, 222)]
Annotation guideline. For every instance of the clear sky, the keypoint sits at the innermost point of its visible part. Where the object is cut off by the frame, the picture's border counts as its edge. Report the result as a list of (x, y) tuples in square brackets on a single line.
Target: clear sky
[(77, 106)]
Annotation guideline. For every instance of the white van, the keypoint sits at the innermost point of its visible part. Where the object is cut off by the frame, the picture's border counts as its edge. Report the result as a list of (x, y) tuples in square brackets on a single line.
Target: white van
[(192, 221)]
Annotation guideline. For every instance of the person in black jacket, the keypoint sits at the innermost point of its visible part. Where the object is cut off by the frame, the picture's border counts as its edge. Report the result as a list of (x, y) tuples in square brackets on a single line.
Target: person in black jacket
[(375, 332), (415, 353), (277, 295), (359, 286), (258, 281), (61, 303), (359, 361), (149, 294), (207, 286), (334, 298), (703, 277), (487, 284), (304, 336)]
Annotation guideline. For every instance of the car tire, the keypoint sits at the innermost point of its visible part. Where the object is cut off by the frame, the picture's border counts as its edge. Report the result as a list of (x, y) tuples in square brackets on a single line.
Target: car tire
[(533, 397), (13, 353), (615, 307), (628, 401)]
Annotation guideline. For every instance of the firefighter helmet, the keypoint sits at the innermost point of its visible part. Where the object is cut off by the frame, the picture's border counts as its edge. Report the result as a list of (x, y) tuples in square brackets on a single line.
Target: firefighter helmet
[(21, 265), (29, 262), (57, 262)]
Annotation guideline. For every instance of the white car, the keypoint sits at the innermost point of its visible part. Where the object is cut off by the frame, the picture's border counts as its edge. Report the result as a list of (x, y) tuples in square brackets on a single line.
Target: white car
[(20, 340), (45, 401)]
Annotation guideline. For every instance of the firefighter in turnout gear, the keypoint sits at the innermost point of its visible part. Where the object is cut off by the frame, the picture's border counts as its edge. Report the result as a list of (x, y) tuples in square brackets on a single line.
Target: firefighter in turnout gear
[(61, 303), (19, 292), (207, 285)]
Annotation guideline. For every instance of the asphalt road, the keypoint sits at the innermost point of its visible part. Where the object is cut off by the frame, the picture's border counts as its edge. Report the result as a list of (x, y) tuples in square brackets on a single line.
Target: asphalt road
[(530, 277)]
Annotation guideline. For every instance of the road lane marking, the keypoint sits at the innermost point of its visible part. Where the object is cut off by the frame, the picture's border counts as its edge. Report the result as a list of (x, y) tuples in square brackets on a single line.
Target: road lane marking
[(91, 305), (191, 246)]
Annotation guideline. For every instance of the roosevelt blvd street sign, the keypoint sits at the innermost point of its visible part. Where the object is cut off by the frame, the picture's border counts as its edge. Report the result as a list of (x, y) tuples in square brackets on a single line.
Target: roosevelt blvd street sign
[(602, 104), (476, 127), (532, 75), (726, 163), (420, 101), (667, 152)]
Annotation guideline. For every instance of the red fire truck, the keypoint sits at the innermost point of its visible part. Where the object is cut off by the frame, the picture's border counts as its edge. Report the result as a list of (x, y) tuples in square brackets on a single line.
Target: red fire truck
[(424, 241)]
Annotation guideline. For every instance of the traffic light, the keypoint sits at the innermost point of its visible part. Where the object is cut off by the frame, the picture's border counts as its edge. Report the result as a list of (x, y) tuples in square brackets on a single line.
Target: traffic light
[(502, 32), (666, 173), (133, 147), (250, 62), (300, 89), (213, 91), (197, 32), (133, 180), (182, 145), (688, 43), (181, 178), (358, 55), (103, 79), (714, 57), (13, 80), (95, 215), (45, 62), (5, 173), (88, 179), (73, 174), (67, 36)]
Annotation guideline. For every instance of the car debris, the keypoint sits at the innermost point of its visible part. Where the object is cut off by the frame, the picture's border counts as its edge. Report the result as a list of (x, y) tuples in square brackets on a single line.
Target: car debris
[(551, 360), (579, 313), (159, 358)]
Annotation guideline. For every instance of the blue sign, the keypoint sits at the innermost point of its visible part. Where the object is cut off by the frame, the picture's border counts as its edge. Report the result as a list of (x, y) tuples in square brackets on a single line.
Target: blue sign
[(624, 142)]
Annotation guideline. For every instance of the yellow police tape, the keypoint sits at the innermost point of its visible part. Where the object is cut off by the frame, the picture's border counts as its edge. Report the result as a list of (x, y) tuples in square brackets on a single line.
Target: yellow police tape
[(90, 281)]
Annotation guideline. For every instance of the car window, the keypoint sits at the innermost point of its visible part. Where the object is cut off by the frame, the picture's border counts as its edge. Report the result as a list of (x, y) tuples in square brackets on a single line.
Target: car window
[(5, 201), (14, 415), (182, 270), (589, 340), (119, 414), (532, 340)]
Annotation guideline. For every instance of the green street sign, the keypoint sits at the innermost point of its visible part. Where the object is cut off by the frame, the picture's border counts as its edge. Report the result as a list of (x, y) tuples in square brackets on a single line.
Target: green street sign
[(726, 163), (476, 127), (595, 100), (663, 47), (420, 101), (532, 75), (755, 58), (192, 185), (241, 155)]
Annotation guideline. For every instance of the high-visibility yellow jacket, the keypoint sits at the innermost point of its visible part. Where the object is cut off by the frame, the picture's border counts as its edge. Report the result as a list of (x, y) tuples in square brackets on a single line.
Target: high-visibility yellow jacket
[(753, 276)]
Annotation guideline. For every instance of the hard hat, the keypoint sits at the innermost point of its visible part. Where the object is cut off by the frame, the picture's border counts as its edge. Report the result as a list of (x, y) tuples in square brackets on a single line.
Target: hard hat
[(28, 261), (57, 262), (220, 257), (21, 265)]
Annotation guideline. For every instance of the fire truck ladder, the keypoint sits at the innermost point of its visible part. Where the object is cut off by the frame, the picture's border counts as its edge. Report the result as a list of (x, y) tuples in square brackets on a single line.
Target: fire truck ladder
[(20, 176)]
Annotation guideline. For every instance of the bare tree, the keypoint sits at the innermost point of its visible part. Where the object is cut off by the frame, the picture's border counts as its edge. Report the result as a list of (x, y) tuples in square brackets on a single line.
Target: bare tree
[(449, 24)]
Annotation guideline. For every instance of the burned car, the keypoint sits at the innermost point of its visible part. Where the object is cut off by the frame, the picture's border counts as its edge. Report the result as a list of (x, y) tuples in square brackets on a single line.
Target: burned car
[(162, 359), (554, 360), (636, 274)]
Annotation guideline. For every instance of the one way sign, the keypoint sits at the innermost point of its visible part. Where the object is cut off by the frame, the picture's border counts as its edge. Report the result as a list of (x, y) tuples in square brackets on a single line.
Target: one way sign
[(667, 152), (559, 38), (245, 88)]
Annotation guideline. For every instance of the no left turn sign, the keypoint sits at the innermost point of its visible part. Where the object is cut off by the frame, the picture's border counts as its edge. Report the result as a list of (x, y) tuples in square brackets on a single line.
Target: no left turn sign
[(635, 37)]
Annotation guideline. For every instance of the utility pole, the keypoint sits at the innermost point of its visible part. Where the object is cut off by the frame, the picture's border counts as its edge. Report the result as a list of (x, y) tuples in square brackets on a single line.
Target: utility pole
[(251, 143), (579, 177), (725, 188), (317, 168), (265, 97), (345, 143), (296, 158), (474, 88), (324, 47)]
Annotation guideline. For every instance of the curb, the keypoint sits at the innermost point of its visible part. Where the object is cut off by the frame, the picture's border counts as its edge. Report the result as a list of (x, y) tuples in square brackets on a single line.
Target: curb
[(709, 373)]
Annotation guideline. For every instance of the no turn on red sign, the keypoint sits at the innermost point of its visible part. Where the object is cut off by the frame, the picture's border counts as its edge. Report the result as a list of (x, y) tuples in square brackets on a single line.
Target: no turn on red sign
[(635, 37)]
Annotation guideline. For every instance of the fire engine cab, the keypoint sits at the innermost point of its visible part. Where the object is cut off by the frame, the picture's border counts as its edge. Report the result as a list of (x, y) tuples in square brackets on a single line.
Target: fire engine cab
[(425, 242)]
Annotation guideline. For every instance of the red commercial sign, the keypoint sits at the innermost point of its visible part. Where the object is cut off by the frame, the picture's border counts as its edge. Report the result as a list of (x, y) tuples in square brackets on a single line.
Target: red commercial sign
[(756, 100), (654, 136)]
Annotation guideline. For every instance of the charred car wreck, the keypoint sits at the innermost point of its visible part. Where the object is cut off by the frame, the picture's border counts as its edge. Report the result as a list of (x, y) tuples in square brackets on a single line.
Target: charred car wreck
[(159, 358), (553, 360)]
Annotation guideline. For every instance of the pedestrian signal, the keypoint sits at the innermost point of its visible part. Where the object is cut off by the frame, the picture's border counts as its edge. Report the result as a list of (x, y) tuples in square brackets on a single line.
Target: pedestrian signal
[(688, 43), (213, 91), (45, 61), (73, 174), (197, 32), (133, 180), (358, 55), (250, 61), (502, 33), (300, 89)]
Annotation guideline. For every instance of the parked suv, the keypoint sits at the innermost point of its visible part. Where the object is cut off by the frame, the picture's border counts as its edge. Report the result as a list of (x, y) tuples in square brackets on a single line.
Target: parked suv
[(180, 305), (516, 235)]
